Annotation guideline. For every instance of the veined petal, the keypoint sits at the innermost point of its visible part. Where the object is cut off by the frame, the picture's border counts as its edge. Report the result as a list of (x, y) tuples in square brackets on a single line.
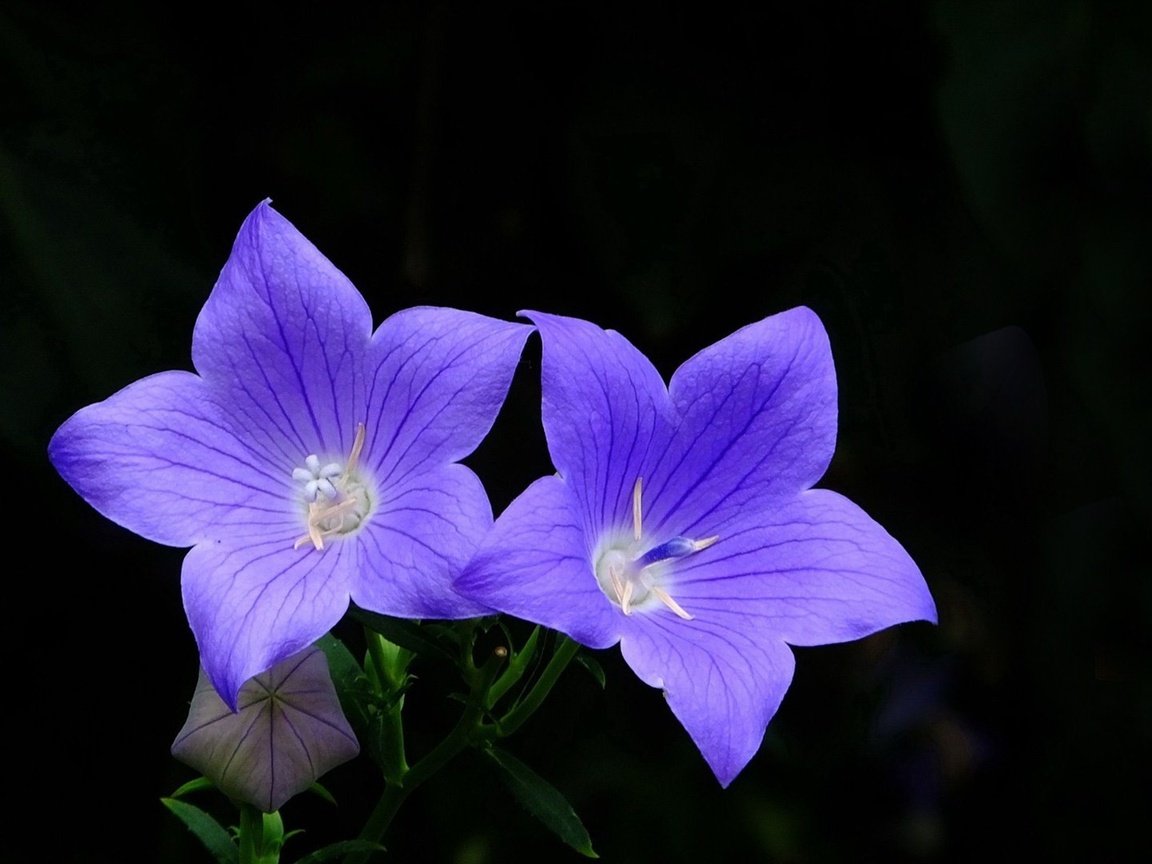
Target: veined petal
[(417, 541), (812, 570), (723, 684), (251, 606), (281, 338), (535, 564), (758, 423), (436, 381), (161, 458), (287, 731), (605, 409)]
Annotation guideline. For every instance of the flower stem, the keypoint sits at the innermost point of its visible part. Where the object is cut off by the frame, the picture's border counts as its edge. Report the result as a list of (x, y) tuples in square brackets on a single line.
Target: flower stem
[(261, 836), (389, 671), (458, 739), (565, 650)]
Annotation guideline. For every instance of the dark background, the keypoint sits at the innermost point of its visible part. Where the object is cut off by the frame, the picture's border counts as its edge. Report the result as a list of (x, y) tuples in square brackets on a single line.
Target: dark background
[(961, 191)]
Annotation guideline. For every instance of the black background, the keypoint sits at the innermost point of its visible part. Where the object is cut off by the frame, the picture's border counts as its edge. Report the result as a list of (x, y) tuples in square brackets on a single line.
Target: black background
[(959, 189)]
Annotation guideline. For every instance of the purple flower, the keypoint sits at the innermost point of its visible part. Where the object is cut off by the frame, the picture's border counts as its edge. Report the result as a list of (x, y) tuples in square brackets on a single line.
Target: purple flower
[(287, 731), (311, 460), (681, 523)]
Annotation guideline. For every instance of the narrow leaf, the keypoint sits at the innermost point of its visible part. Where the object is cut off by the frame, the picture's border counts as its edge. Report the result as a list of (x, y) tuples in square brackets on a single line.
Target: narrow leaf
[(342, 666), (594, 668), (208, 831), (543, 800), (193, 786)]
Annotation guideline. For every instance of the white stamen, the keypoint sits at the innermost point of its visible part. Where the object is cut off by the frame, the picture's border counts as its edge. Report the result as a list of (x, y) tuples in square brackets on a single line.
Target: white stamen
[(637, 510), (626, 597), (667, 600)]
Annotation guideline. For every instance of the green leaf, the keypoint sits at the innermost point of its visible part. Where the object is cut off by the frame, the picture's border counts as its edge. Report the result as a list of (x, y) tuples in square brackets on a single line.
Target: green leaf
[(360, 705), (193, 786), (322, 792), (208, 831), (594, 668), (342, 666), (406, 634), (343, 847), (543, 800)]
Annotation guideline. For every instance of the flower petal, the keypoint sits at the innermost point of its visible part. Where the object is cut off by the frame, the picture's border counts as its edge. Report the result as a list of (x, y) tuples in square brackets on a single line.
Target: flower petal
[(605, 408), (287, 732), (723, 685), (436, 381), (811, 571), (281, 338), (535, 564), (252, 606), (160, 458), (758, 423), (417, 540)]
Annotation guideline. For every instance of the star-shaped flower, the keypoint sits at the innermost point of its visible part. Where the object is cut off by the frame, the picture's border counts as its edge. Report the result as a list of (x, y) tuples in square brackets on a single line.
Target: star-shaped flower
[(308, 461), (287, 731), (682, 524)]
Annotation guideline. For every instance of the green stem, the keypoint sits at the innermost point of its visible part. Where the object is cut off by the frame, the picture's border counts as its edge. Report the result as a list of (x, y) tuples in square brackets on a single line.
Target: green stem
[(565, 650), (395, 793), (261, 836), (389, 669)]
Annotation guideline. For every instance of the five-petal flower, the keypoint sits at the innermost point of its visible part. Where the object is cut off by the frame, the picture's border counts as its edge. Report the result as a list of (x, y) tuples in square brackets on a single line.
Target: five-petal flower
[(287, 731), (309, 460), (682, 524)]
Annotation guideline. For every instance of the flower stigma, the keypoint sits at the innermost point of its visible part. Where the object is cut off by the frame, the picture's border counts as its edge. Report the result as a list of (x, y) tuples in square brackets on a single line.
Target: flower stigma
[(337, 495), (630, 578)]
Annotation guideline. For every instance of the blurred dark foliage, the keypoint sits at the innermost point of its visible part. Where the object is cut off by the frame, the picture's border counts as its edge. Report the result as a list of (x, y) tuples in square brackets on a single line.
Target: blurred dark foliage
[(960, 189)]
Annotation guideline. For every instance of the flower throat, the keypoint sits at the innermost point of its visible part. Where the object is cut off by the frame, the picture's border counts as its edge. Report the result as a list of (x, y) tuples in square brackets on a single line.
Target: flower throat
[(338, 497), (629, 579)]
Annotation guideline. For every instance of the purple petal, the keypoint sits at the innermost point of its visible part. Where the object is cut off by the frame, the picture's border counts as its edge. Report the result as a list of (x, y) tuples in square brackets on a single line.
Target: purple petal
[(281, 339), (251, 606), (605, 408), (287, 732), (758, 424), (160, 458), (723, 684), (810, 571), (535, 564), (417, 541), (436, 381)]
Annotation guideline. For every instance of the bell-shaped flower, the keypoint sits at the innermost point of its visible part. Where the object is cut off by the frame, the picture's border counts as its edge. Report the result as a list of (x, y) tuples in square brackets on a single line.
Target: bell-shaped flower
[(286, 732), (682, 524), (309, 460)]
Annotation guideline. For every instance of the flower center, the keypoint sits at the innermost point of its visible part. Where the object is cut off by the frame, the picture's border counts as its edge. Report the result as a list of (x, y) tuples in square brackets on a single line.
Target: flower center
[(633, 579), (338, 498)]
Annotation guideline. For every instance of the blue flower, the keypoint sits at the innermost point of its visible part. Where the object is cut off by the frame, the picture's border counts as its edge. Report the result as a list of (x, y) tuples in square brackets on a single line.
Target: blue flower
[(308, 461), (682, 524)]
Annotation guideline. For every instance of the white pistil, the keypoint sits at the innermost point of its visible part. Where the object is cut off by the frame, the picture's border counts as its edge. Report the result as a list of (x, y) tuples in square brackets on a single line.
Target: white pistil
[(698, 545), (343, 489)]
